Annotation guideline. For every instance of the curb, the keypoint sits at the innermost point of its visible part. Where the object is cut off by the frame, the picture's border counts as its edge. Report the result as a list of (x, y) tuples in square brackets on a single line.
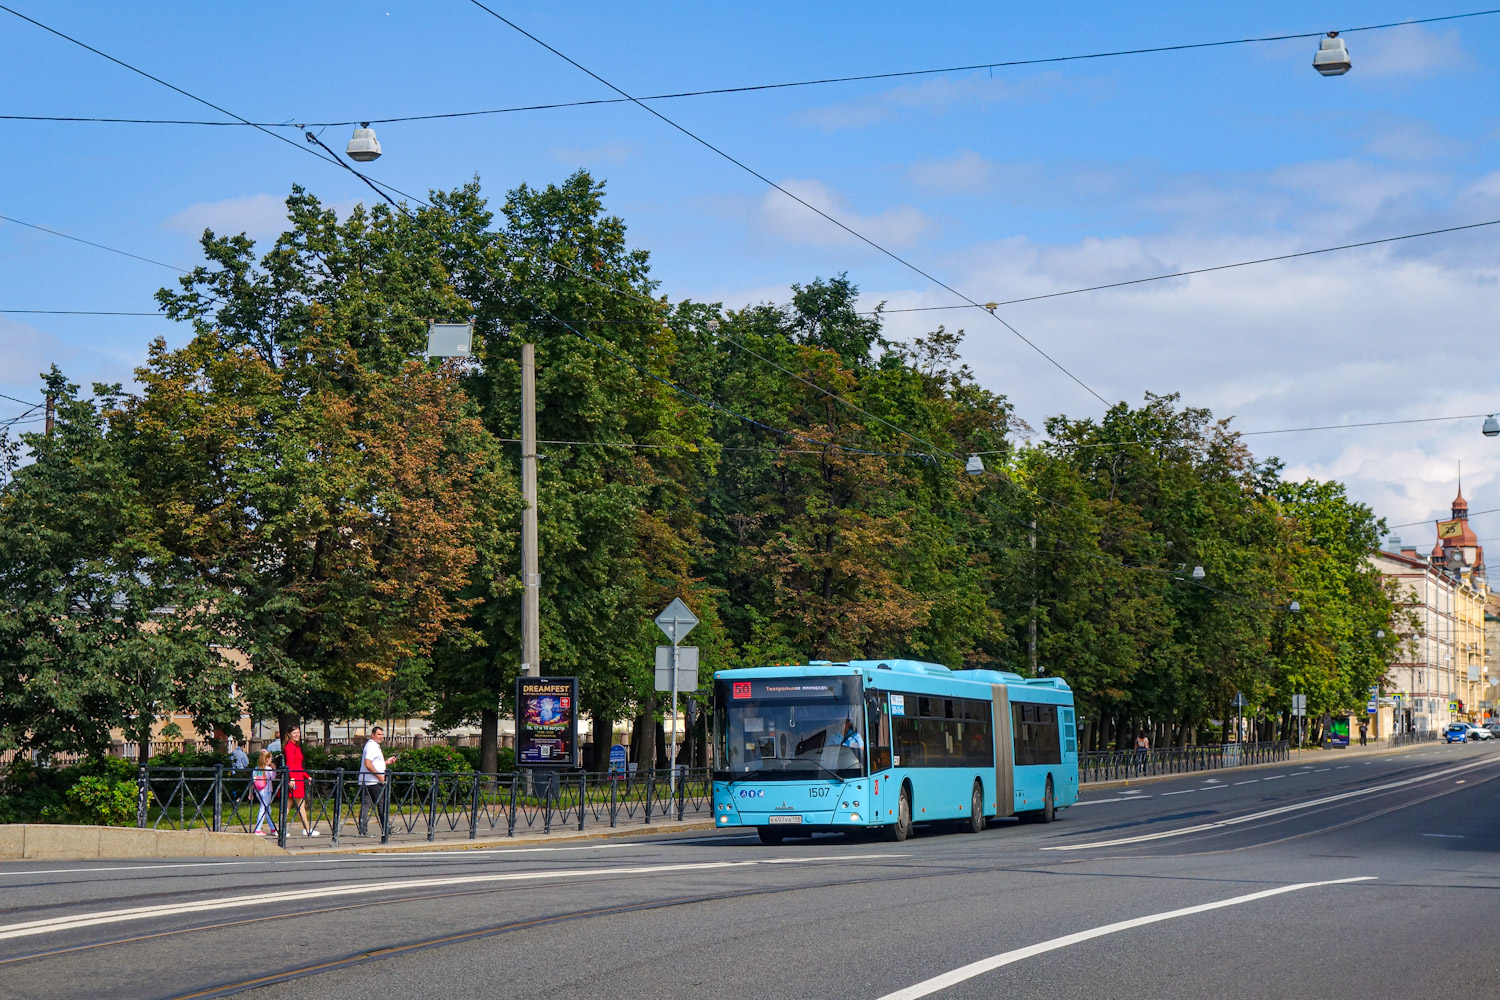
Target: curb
[(484, 843)]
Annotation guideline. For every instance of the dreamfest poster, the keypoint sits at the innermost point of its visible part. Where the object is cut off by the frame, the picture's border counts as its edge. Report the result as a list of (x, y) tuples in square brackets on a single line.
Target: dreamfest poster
[(547, 721)]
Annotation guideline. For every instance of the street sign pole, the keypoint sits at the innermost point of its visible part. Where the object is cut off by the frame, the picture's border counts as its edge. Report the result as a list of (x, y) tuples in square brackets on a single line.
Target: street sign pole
[(676, 620)]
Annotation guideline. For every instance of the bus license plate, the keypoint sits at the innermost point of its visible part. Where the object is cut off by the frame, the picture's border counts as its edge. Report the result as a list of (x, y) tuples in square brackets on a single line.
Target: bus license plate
[(775, 820)]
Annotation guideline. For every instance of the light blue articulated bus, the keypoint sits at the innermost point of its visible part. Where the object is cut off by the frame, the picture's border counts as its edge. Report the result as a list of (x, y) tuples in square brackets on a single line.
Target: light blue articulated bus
[(888, 744)]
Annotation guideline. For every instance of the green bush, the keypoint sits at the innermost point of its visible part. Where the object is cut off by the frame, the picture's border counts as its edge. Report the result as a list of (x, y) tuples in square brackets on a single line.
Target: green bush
[(191, 758), (434, 758), (505, 758), (96, 801), (331, 758), (27, 792)]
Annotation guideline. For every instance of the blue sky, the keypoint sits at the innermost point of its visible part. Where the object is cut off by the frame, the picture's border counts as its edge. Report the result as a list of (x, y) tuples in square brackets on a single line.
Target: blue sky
[(1004, 184)]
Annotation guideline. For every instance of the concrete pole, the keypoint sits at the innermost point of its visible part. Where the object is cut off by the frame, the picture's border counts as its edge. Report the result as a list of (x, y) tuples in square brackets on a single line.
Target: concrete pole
[(531, 641)]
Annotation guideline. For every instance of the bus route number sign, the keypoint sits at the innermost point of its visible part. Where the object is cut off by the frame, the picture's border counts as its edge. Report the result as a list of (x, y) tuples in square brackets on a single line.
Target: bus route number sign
[(741, 689)]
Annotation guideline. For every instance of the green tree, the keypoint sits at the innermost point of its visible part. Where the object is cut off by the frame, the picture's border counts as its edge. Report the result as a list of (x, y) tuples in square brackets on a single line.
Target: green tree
[(101, 625)]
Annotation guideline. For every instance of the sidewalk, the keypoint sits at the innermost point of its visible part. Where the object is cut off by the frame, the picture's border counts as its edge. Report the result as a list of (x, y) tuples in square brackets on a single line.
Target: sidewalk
[(1295, 757)]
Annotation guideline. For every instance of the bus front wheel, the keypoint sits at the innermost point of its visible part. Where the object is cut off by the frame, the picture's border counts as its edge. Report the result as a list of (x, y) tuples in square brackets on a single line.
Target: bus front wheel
[(901, 829), (769, 835)]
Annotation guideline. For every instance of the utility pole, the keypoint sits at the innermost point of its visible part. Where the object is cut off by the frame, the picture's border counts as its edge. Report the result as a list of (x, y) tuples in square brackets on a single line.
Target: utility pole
[(1031, 623), (48, 424), (531, 643)]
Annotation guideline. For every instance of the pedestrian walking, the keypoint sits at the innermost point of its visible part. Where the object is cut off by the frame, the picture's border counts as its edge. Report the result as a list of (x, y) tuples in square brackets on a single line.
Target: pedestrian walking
[(238, 759), (1142, 750), (291, 750), (1364, 731), (263, 784), (372, 786)]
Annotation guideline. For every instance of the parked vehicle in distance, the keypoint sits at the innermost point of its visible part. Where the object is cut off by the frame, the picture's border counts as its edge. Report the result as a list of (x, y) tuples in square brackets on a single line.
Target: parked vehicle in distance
[(1456, 733), (1493, 728)]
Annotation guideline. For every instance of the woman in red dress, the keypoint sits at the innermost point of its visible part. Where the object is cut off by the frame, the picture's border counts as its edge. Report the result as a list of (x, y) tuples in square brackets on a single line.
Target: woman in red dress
[(291, 748)]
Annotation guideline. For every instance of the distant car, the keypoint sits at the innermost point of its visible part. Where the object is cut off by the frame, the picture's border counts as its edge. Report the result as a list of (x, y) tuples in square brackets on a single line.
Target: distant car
[(1493, 728), (1479, 732), (1456, 733)]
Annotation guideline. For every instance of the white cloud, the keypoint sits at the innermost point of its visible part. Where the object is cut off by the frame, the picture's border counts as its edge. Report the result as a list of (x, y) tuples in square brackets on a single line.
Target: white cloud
[(1411, 50), (966, 173), (788, 221), (1396, 332), (938, 95), (613, 152), (259, 216)]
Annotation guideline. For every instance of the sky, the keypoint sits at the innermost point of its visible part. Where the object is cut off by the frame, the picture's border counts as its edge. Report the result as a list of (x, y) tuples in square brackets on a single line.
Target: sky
[(1002, 184)]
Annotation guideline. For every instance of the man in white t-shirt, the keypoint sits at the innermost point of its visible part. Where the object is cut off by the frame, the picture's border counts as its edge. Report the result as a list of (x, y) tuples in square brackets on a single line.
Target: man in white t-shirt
[(372, 779)]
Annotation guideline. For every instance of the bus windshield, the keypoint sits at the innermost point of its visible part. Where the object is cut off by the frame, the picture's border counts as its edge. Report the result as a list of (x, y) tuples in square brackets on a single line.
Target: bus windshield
[(791, 728)]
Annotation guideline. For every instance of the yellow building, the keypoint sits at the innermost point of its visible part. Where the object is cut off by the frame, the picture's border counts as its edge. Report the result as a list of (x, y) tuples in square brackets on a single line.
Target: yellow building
[(1440, 673)]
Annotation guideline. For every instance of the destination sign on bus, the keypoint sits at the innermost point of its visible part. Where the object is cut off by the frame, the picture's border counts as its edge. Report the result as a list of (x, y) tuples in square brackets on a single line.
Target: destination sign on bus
[(782, 689)]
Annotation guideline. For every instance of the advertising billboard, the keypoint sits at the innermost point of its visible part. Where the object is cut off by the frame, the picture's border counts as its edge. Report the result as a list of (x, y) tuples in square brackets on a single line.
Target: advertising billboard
[(547, 721)]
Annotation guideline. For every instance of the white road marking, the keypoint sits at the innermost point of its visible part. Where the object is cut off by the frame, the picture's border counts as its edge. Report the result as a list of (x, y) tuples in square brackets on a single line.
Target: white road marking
[(1183, 792), (1132, 791), (1341, 767), (1322, 769), (948, 979), (1251, 781), (1276, 777), (454, 855), (1095, 802), (1212, 788), (1445, 836), (79, 920), (1278, 811)]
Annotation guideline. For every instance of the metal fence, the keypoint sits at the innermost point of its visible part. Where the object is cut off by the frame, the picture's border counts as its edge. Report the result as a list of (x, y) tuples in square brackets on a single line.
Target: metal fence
[(1407, 739), (416, 806), (1116, 765)]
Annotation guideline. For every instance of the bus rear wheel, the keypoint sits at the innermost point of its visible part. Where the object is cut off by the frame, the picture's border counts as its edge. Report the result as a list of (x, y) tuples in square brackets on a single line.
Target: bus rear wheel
[(975, 822), (1048, 812), (901, 829), (770, 835)]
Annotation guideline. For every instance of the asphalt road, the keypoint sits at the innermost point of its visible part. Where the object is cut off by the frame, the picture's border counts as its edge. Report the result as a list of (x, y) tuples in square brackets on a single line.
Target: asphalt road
[(1362, 877)]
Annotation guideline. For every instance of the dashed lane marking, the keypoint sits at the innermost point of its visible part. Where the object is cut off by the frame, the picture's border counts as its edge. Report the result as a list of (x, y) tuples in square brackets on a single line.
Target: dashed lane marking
[(1267, 813), (948, 979), (76, 921)]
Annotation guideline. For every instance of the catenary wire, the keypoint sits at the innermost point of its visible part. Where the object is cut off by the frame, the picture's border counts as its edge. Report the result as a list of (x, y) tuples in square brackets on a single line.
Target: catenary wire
[(101, 246), (372, 184), (712, 404), (801, 201), (751, 88), (1198, 270)]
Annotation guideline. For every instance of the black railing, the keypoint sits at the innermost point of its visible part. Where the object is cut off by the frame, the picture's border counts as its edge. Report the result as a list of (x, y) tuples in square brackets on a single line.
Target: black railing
[(1407, 739), (1117, 765), (415, 805)]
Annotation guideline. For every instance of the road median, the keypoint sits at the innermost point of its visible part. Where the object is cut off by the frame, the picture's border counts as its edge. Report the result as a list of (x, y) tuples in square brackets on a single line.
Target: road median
[(57, 842)]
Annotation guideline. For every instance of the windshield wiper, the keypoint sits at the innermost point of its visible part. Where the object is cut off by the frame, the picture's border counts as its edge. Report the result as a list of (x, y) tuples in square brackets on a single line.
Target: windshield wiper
[(795, 760)]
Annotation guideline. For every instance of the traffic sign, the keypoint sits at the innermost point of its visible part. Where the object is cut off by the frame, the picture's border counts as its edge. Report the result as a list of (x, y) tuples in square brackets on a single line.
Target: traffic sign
[(676, 620), (687, 668), (1299, 704), (1239, 700)]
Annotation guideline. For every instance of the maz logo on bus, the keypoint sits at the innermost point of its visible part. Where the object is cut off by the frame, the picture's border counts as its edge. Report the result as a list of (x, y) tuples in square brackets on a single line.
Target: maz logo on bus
[(752, 793)]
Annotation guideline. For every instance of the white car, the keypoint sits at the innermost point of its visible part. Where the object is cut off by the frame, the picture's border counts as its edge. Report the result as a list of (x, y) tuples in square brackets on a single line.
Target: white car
[(1479, 732)]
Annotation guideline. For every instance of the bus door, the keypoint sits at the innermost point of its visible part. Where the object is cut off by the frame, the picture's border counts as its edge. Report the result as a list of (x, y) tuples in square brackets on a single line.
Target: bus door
[(882, 801), (1005, 751)]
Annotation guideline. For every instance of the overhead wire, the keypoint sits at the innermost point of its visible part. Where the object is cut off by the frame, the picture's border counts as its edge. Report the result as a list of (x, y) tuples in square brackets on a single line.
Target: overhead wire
[(101, 246), (1183, 274), (778, 187), (783, 85), (331, 157)]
